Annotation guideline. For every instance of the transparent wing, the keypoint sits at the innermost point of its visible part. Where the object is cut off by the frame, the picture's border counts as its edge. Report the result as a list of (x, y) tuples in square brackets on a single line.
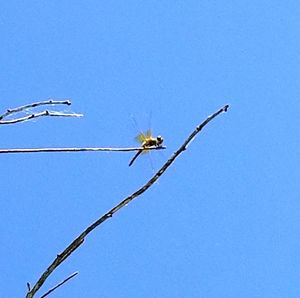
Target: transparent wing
[(145, 151), (140, 138), (149, 133)]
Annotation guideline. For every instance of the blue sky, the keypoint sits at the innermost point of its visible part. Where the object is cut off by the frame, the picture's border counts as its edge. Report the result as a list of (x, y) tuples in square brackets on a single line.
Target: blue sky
[(223, 221)]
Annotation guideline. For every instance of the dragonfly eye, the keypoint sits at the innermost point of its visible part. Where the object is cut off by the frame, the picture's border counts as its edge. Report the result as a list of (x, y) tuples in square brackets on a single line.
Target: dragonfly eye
[(159, 140)]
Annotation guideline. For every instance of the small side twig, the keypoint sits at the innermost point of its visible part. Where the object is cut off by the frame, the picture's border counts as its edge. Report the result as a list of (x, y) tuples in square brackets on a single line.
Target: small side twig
[(80, 239), (13, 111), (59, 284)]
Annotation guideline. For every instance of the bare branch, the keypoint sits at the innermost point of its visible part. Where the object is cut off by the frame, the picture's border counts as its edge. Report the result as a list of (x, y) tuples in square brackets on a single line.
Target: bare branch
[(41, 114), (34, 105), (80, 239), (14, 111), (59, 284), (43, 150)]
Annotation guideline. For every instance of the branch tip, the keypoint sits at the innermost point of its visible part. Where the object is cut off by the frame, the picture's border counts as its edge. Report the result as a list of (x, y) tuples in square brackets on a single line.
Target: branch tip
[(226, 108), (59, 284)]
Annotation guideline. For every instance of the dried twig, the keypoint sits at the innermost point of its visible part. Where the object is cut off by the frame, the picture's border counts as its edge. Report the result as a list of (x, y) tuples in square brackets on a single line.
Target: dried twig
[(43, 150), (59, 284), (13, 111), (80, 239), (34, 105), (41, 114)]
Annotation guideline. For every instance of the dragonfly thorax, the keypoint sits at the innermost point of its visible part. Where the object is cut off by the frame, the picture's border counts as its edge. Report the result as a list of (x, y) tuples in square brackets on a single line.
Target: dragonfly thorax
[(150, 142)]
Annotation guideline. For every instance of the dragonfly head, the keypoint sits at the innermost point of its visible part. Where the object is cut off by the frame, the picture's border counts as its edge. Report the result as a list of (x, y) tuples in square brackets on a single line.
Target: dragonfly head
[(159, 140)]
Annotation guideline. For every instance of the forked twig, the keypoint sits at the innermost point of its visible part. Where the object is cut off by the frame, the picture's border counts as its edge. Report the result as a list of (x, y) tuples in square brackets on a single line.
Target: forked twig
[(10, 112), (37, 115), (80, 239), (59, 284), (34, 105)]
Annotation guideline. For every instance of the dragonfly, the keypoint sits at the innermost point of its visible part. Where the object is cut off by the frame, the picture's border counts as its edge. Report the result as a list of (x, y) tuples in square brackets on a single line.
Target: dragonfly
[(146, 140)]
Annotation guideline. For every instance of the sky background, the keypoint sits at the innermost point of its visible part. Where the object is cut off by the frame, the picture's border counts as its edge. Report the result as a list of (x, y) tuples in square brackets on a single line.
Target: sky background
[(223, 221)]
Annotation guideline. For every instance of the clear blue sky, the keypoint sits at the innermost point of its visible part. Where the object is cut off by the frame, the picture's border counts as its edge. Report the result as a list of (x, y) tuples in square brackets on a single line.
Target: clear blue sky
[(224, 219)]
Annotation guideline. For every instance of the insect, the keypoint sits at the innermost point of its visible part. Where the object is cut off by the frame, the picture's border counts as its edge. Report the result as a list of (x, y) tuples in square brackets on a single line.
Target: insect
[(146, 140)]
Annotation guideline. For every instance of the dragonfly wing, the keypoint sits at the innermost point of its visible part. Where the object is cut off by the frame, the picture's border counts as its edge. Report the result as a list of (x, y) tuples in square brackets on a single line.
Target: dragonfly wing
[(145, 151), (149, 133), (140, 138)]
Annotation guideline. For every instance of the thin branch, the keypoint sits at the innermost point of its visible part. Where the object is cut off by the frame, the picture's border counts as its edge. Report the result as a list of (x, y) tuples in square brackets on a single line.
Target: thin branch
[(34, 105), (59, 284), (47, 113), (43, 150), (41, 114), (80, 239)]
